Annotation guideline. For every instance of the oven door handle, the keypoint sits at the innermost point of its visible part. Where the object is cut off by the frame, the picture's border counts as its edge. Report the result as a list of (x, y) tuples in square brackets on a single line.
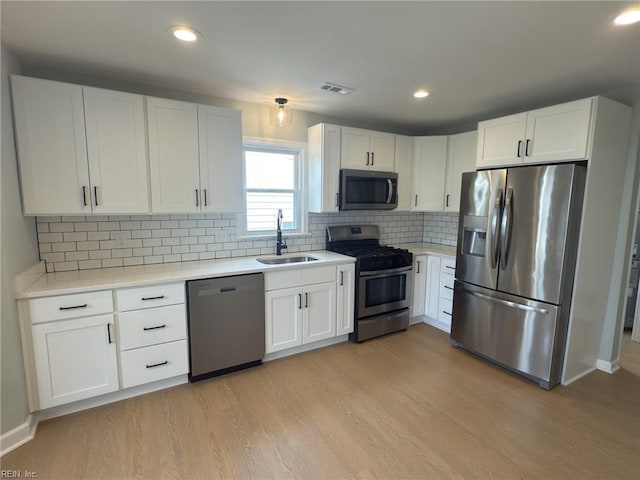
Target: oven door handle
[(384, 273)]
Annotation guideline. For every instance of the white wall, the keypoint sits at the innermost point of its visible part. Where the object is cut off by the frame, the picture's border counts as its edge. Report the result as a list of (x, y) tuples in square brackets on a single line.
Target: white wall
[(611, 334), (18, 250)]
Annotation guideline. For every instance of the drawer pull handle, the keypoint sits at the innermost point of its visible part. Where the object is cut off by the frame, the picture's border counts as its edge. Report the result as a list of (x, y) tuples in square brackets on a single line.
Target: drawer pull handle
[(158, 364), (446, 313), (153, 328), (84, 305), (448, 287), (109, 332), (160, 297), (450, 268)]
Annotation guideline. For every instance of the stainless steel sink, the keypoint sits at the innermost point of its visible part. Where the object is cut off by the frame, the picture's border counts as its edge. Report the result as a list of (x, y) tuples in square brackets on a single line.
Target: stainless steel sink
[(282, 260)]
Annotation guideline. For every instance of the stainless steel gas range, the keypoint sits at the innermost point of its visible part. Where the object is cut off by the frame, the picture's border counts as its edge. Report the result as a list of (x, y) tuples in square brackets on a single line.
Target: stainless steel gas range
[(383, 280)]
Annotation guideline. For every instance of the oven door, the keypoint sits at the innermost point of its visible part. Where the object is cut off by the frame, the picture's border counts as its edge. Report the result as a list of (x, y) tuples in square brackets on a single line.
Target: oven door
[(383, 291)]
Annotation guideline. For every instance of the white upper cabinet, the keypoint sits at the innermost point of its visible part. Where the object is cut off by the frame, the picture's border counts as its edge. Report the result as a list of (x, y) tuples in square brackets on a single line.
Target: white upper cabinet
[(324, 167), (117, 147), (195, 157), (551, 134), (367, 150), (404, 168), (52, 149), (429, 170), (173, 156), (220, 134), (557, 133), (81, 150), (461, 158)]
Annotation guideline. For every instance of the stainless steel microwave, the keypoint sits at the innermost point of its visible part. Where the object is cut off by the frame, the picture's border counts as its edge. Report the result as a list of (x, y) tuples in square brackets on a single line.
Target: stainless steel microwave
[(368, 190)]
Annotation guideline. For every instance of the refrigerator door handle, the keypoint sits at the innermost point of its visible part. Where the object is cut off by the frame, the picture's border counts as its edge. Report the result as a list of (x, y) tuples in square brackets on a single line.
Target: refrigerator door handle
[(507, 303), (493, 231), (505, 227)]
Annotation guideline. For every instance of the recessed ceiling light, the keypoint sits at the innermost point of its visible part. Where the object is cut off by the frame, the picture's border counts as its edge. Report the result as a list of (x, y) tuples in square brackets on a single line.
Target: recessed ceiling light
[(184, 33), (421, 93), (628, 17)]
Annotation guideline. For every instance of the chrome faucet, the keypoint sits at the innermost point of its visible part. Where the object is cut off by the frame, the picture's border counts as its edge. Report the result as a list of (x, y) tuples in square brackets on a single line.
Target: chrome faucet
[(280, 245)]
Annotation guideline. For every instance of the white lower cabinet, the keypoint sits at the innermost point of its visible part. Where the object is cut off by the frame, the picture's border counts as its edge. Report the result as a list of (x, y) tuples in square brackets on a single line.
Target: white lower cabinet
[(439, 291), (346, 299), (308, 305), (74, 359), (419, 285), (152, 339)]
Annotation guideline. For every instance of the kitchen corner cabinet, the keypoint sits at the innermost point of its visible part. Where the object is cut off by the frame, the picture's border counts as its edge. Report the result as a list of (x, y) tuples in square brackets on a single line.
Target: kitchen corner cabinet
[(461, 157), (439, 291), (80, 149), (345, 299), (404, 169), (419, 285), (557, 133), (195, 156), (429, 172), (324, 167), (367, 150)]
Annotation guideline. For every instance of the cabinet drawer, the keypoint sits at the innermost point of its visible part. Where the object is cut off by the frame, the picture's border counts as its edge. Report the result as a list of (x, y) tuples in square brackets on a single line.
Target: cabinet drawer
[(70, 306), (298, 277), (446, 287), (444, 311), (153, 296), (448, 266), (148, 364), (141, 328)]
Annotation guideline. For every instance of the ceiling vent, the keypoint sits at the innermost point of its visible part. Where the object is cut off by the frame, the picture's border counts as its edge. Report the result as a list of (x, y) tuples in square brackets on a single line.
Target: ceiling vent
[(332, 87)]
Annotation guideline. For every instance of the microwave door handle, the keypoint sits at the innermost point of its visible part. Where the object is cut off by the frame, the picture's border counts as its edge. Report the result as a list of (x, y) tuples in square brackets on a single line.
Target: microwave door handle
[(390, 189)]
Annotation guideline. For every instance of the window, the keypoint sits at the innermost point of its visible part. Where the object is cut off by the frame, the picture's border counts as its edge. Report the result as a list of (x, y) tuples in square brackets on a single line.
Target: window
[(272, 180)]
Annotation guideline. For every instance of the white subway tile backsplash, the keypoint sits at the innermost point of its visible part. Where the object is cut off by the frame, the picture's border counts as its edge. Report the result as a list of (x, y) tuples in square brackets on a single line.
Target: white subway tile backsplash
[(84, 242)]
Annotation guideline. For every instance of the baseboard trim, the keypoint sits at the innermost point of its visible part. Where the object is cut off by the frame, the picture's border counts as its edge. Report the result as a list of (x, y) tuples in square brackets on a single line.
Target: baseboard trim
[(437, 323), (608, 367), (305, 348), (20, 435), (578, 377)]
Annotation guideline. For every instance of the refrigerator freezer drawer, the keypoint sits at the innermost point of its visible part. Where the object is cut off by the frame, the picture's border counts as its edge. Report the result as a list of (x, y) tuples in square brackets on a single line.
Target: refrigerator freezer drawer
[(518, 333)]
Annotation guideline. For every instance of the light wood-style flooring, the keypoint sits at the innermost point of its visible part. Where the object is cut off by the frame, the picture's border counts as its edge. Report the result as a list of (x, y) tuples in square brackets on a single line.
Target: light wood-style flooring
[(403, 406)]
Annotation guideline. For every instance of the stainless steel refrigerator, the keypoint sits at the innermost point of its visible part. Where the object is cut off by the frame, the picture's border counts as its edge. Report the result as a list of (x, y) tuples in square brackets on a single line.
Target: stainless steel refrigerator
[(517, 243)]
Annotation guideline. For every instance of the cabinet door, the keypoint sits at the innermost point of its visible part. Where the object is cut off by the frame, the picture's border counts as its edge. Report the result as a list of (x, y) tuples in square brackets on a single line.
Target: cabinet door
[(433, 286), (461, 158), (117, 150), (501, 141), (51, 144), (346, 299), (383, 150), (355, 148), (429, 168), (560, 132), (404, 168), (419, 285), (220, 133), (319, 317), (75, 359), (173, 156), (283, 319), (324, 167)]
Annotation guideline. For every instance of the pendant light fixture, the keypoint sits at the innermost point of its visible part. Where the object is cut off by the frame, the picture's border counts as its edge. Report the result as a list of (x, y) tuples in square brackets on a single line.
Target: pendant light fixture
[(281, 116)]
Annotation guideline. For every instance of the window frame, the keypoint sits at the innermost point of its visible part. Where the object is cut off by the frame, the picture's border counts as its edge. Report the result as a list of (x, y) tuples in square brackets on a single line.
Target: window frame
[(300, 191)]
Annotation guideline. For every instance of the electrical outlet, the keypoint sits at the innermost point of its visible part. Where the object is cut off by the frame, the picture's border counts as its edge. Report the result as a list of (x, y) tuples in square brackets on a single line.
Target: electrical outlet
[(120, 238)]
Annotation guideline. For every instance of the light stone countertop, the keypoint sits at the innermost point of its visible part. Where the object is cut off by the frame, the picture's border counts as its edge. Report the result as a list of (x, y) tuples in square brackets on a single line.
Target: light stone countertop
[(35, 283), (428, 249)]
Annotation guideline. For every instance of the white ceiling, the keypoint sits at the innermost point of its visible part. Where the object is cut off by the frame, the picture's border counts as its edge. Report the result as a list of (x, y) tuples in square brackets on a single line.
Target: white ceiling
[(479, 59)]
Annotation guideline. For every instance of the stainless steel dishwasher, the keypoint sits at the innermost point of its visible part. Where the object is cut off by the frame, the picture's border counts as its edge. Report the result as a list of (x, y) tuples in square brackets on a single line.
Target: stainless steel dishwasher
[(226, 324)]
